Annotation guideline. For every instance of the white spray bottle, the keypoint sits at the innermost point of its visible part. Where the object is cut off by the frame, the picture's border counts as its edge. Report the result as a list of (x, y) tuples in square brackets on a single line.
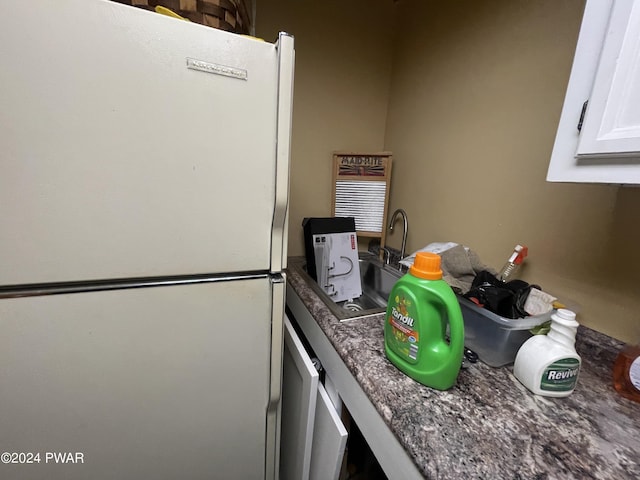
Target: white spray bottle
[(548, 365)]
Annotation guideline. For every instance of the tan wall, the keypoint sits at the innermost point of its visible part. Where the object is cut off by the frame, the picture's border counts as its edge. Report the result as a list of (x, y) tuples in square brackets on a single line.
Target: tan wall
[(343, 68), (476, 89)]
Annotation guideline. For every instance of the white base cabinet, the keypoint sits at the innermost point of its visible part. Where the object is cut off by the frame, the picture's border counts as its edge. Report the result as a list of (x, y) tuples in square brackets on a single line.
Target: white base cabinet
[(392, 457), (329, 440), (598, 137), (313, 438)]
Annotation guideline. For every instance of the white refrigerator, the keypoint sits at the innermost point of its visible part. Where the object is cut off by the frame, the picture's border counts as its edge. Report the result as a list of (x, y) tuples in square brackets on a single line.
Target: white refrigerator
[(144, 169)]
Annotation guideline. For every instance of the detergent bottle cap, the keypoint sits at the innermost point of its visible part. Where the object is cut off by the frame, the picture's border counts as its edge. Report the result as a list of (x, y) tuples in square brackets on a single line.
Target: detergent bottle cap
[(426, 266)]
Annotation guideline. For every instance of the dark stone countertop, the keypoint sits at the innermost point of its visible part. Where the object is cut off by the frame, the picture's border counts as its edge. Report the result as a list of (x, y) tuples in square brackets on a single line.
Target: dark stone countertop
[(489, 425)]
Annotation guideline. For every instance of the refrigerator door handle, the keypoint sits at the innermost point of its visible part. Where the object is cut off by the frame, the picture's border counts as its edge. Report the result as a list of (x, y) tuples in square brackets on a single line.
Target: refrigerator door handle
[(279, 227), (278, 286)]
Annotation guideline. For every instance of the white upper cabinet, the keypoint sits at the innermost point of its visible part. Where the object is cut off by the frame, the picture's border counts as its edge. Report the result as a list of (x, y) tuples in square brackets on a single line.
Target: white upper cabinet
[(599, 141)]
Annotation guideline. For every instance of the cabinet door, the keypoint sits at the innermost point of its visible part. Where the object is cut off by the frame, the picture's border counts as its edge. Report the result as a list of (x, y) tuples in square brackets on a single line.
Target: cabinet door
[(598, 137), (299, 394), (612, 121), (329, 440), (332, 391)]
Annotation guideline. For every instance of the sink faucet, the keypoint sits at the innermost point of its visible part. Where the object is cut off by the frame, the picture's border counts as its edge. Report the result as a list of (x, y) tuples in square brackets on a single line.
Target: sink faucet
[(405, 228)]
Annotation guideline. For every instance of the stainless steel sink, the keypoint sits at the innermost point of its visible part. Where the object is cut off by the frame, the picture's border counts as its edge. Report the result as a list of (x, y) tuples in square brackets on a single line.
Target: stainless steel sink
[(377, 281)]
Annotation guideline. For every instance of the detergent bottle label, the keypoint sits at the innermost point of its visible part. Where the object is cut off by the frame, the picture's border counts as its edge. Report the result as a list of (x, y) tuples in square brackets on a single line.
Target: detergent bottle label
[(402, 324)]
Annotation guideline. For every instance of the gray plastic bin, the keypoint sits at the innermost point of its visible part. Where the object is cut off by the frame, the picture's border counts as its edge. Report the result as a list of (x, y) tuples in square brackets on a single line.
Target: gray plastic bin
[(496, 339)]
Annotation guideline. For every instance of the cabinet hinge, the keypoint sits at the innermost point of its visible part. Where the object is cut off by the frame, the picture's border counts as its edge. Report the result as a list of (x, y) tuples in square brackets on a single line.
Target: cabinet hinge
[(584, 110)]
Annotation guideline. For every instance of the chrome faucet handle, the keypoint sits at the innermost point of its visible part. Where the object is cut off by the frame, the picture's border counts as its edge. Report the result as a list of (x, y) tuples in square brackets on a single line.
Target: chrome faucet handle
[(386, 251)]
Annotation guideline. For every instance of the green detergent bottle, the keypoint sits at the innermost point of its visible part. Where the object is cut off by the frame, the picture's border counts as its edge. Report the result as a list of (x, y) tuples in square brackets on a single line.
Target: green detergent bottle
[(421, 306)]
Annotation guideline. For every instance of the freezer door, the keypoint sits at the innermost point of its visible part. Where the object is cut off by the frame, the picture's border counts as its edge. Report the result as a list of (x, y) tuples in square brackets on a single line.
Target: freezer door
[(135, 145), (150, 383)]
